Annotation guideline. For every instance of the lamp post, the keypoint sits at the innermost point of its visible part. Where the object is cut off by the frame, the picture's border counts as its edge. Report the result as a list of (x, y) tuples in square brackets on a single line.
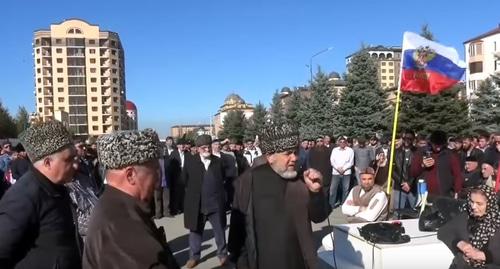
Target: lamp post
[(311, 60)]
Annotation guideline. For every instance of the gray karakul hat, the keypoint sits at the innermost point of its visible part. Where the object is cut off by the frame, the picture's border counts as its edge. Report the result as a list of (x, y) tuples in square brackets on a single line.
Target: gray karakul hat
[(276, 139), (43, 139), (120, 149), (203, 140)]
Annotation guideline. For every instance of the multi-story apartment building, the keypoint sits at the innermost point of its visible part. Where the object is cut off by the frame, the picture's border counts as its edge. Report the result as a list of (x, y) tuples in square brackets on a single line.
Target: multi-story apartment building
[(388, 64), (482, 55), (80, 69)]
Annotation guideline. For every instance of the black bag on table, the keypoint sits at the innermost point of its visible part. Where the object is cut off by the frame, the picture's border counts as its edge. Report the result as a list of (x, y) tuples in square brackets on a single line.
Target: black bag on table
[(384, 233)]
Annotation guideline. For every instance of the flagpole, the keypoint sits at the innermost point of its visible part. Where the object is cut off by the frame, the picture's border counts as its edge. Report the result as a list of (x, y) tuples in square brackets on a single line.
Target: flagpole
[(395, 126)]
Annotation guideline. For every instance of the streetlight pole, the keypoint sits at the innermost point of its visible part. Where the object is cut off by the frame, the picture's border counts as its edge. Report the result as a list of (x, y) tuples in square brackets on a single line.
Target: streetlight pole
[(311, 60)]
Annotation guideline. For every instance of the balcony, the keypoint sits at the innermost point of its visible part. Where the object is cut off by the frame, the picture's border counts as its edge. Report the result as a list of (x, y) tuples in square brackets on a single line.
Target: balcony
[(105, 53), (106, 91), (48, 92), (106, 74), (46, 63), (106, 82), (48, 103), (106, 101)]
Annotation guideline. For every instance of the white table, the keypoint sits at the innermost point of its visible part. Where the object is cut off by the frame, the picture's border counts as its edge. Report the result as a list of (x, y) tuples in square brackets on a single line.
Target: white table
[(352, 251)]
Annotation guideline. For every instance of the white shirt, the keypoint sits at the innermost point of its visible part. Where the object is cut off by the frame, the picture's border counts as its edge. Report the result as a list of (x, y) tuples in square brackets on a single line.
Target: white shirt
[(181, 154), (372, 212), (343, 158), (206, 162)]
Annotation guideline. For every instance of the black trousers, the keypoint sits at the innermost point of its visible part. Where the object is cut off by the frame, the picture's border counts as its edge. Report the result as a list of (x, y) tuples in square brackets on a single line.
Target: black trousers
[(162, 201)]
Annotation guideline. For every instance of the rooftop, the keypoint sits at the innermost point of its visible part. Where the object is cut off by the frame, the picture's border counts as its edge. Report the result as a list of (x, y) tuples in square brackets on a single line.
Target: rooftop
[(489, 33)]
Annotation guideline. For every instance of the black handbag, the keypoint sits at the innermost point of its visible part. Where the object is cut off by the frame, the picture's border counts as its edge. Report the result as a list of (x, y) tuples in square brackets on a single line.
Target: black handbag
[(443, 210), (384, 233)]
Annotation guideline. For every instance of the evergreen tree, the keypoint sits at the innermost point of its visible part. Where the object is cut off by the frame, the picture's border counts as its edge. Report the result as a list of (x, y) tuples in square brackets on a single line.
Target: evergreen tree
[(425, 113), (363, 107), (317, 114), (7, 124), (22, 119), (234, 125), (257, 122), (277, 110), (485, 108), (292, 113)]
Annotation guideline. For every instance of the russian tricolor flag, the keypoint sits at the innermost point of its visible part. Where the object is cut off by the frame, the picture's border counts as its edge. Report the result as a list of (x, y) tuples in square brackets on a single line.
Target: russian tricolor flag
[(427, 66)]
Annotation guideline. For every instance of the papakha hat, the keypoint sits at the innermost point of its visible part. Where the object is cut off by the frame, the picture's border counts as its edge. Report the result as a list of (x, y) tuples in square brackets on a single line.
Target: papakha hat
[(276, 139), (120, 149), (43, 139)]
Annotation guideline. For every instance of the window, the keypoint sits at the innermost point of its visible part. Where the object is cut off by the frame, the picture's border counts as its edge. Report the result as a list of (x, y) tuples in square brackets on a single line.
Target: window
[(58, 41), (77, 100), (391, 63), (92, 51), (59, 60), (383, 63), (39, 100), (77, 90), (115, 80), (81, 110), (115, 89), (59, 50), (391, 77), (116, 118), (113, 61), (94, 108), (39, 80), (37, 61), (38, 70), (113, 43), (384, 77), (114, 70), (37, 51), (60, 99), (391, 70), (476, 67), (115, 99), (384, 84), (59, 70), (92, 60), (113, 52), (39, 90), (95, 118), (60, 80), (92, 41), (61, 108), (40, 110), (92, 70), (60, 89), (93, 89), (93, 80), (95, 128), (475, 49), (116, 127), (383, 70), (76, 81), (115, 109), (94, 99)]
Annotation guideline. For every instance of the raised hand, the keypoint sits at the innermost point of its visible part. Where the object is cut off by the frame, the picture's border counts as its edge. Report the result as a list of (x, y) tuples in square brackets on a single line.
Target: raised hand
[(313, 180)]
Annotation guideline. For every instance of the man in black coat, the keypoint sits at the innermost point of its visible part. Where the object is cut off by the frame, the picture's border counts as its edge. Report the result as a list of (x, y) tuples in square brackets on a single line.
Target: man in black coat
[(204, 178), (121, 233), (36, 219), (273, 208), (174, 167)]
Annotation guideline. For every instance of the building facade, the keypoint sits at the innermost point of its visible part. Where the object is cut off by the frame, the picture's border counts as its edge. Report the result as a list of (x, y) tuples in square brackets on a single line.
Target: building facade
[(482, 55), (132, 116), (80, 69), (177, 131), (388, 61), (233, 102)]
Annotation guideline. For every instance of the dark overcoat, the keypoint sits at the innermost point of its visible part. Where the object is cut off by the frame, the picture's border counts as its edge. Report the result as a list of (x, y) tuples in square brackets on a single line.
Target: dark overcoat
[(37, 225), (204, 189), (122, 235)]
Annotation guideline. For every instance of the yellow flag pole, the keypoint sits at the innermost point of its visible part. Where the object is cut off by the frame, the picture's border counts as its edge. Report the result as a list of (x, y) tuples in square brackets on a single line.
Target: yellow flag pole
[(395, 126)]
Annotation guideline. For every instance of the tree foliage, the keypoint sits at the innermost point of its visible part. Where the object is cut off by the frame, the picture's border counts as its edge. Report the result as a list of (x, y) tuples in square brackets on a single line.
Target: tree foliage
[(363, 107), (7, 124), (234, 125), (257, 122), (485, 107)]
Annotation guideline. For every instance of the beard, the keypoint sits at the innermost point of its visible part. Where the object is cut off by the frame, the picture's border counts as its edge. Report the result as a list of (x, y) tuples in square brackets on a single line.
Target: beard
[(284, 172)]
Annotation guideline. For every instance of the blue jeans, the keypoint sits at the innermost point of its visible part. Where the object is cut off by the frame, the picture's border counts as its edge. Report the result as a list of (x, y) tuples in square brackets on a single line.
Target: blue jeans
[(405, 198), (336, 180)]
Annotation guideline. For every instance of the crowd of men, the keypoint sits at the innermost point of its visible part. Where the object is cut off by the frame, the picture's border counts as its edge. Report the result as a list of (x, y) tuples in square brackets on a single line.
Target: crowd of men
[(90, 204)]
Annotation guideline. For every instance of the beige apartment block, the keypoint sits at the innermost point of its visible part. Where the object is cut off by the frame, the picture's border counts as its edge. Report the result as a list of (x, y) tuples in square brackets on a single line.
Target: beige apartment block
[(80, 69)]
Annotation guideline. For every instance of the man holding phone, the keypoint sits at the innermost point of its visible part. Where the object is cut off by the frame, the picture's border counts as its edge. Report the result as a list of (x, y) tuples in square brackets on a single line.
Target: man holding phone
[(439, 166)]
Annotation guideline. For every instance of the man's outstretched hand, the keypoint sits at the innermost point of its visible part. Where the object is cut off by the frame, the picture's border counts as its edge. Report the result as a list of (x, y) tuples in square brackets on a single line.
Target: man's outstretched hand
[(313, 180)]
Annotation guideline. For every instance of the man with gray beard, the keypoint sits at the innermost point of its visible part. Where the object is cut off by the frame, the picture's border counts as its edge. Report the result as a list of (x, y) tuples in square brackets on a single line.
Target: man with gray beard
[(273, 208)]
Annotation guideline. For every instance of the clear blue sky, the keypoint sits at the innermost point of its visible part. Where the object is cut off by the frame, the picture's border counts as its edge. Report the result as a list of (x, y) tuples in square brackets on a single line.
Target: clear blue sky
[(184, 57)]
